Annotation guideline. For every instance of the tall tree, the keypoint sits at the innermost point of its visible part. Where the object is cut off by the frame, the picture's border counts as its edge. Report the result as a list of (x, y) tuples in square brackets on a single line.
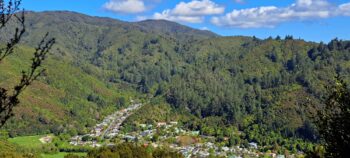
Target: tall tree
[(10, 12), (333, 121)]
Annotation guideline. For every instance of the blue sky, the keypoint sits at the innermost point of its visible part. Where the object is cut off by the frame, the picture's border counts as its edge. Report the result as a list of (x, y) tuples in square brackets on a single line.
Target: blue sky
[(312, 20)]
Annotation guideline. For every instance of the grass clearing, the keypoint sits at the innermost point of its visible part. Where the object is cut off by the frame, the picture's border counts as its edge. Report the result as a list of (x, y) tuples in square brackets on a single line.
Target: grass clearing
[(31, 142), (61, 155)]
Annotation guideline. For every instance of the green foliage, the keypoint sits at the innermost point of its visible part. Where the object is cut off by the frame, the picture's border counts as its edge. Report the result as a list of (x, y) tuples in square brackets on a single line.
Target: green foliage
[(128, 150), (333, 121), (10, 150), (71, 156), (60, 96), (64, 155)]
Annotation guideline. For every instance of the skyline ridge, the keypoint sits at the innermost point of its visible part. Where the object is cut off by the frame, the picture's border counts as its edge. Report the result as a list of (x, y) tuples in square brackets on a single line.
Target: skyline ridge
[(312, 20)]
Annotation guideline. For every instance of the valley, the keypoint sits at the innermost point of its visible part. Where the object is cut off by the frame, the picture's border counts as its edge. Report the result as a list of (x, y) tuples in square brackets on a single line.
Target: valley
[(170, 135), (198, 94)]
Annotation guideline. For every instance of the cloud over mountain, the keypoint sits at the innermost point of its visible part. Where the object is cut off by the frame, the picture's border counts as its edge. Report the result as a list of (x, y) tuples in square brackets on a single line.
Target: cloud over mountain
[(192, 12), (125, 6), (270, 16)]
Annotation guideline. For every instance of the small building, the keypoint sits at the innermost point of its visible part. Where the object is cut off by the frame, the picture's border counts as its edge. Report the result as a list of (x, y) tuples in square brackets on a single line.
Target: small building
[(195, 133), (146, 133), (143, 125), (253, 145), (234, 156), (160, 124), (280, 156), (111, 135), (203, 154), (129, 138), (225, 149), (173, 123)]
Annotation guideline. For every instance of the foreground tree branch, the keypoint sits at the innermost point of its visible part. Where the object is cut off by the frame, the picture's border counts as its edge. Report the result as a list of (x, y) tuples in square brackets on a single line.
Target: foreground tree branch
[(9, 97), (333, 122)]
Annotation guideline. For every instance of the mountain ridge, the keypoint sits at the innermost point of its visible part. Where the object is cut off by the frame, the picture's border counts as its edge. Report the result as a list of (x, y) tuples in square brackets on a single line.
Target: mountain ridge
[(150, 24)]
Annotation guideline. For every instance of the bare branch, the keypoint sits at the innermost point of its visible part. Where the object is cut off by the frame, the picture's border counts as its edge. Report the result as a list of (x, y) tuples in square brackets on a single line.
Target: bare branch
[(10, 100), (19, 31)]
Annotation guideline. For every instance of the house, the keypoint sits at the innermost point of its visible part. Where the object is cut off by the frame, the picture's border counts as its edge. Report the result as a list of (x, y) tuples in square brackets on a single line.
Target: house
[(280, 156), (209, 144), (253, 145), (115, 130), (143, 125), (128, 137), (195, 133), (110, 144), (94, 144), (73, 143), (160, 124), (75, 138), (146, 133), (173, 123), (155, 145), (203, 154), (111, 135), (225, 149), (234, 156)]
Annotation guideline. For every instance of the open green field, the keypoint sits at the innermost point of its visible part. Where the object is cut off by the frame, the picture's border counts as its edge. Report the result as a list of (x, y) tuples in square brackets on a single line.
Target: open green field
[(31, 142), (61, 155)]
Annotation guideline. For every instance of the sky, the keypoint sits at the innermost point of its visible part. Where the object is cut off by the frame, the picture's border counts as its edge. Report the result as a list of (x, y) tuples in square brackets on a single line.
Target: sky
[(312, 20)]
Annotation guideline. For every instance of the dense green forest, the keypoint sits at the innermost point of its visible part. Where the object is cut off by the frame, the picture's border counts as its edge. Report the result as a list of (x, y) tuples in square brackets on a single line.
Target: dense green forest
[(262, 87)]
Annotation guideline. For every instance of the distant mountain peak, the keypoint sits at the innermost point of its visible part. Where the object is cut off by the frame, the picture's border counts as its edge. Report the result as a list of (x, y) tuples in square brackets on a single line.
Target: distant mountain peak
[(166, 27), (171, 27)]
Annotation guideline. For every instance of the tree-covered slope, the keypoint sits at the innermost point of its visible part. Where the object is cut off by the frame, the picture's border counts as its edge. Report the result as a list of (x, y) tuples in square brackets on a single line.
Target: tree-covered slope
[(179, 31), (83, 79), (64, 99), (238, 77)]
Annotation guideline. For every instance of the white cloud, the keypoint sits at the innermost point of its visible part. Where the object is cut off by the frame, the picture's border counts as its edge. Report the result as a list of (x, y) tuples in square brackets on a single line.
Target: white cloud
[(247, 18), (192, 12), (197, 8), (167, 15), (270, 16), (125, 6), (344, 9)]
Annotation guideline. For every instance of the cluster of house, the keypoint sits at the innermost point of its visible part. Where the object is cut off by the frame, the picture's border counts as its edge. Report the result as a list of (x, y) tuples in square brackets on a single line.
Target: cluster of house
[(119, 118), (208, 148), (149, 131), (197, 149), (111, 125), (172, 130), (108, 128), (79, 141)]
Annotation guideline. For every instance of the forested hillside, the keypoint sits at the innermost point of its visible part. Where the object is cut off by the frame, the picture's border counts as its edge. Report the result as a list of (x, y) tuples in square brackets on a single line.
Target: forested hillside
[(254, 85), (78, 84)]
